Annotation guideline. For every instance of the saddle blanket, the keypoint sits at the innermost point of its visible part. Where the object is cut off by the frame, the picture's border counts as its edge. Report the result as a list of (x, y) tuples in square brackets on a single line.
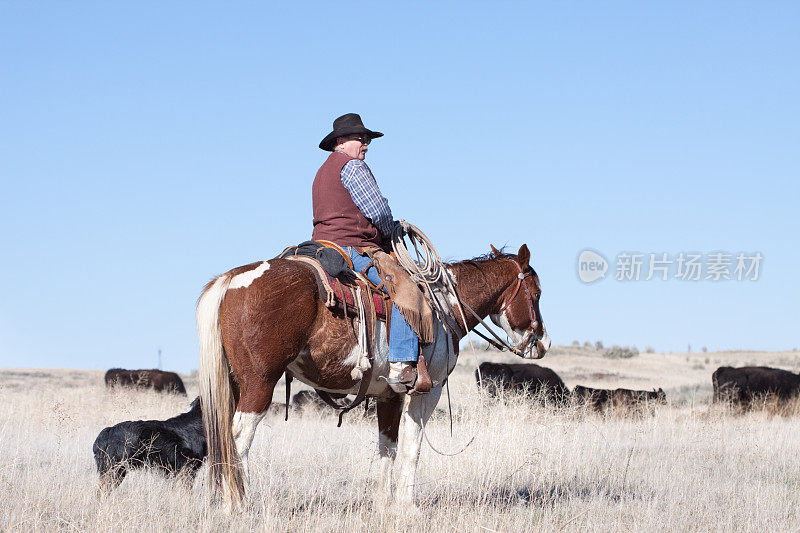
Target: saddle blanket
[(345, 296)]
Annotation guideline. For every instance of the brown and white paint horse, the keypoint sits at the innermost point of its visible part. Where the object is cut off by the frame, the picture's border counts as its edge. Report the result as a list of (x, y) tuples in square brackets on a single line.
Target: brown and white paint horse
[(258, 321)]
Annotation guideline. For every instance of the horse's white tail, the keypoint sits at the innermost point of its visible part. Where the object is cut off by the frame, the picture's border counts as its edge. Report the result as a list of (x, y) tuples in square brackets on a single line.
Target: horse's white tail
[(216, 396)]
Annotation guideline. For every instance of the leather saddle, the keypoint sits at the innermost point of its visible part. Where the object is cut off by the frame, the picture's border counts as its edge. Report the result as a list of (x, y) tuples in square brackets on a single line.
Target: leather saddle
[(337, 281)]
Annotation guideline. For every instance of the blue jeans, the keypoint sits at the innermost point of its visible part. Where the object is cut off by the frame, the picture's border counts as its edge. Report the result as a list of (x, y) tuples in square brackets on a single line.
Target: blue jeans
[(403, 341)]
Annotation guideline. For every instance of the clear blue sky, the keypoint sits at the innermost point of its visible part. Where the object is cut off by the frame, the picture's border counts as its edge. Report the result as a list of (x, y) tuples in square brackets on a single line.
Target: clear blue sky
[(146, 147)]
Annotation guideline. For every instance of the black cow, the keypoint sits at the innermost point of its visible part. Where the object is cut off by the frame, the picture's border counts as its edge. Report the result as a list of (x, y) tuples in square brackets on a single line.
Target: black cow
[(746, 384), (158, 380), (534, 379), (601, 398), (171, 446), (309, 399)]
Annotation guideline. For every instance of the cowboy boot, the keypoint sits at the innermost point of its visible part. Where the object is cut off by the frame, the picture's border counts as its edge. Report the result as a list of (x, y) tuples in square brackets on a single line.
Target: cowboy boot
[(409, 377)]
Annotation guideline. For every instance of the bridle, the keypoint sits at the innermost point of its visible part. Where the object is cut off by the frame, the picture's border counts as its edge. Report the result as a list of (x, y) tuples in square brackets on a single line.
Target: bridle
[(499, 343), (520, 278)]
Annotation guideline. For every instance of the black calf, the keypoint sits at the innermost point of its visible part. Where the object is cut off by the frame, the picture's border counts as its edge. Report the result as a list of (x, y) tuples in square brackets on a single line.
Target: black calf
[(171, 446)]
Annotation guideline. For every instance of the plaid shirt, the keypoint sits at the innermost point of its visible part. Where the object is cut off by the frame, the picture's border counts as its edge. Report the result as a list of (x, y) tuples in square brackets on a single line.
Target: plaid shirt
[(360, 183)]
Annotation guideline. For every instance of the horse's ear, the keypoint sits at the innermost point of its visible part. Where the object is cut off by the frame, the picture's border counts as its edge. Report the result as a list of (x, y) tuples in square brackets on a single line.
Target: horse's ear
[(523, 256), (495, 251)]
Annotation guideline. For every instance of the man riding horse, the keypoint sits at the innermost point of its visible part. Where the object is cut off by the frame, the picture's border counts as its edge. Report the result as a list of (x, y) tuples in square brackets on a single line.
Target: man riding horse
[(259, 322), (349, 210)]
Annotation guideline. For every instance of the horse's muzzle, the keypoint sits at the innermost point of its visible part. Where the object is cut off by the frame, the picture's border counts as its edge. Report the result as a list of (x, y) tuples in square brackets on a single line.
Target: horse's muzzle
[(534, 348), (541, 345)]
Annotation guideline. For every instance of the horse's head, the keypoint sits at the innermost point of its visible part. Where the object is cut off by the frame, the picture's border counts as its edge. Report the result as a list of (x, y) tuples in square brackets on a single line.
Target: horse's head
[(518, 311)]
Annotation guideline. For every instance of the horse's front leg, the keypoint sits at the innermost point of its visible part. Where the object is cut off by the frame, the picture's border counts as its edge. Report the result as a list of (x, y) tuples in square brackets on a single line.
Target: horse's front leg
[(416, 411), (389, 411)]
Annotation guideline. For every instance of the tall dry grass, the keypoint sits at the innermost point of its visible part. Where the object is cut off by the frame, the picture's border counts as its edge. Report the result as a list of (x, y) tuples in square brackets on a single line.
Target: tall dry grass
[(688, 467)]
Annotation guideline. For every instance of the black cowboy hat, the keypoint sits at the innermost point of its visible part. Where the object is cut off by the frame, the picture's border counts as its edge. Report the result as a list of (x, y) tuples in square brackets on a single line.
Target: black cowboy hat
[(348, 124)]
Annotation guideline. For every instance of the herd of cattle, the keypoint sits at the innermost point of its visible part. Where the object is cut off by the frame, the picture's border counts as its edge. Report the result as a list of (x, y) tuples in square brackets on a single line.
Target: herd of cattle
[(546, 385), (178, 445)]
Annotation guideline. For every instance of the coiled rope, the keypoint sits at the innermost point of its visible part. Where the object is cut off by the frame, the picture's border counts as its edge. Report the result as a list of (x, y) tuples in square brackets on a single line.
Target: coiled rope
[(427, 265), (426, 268)]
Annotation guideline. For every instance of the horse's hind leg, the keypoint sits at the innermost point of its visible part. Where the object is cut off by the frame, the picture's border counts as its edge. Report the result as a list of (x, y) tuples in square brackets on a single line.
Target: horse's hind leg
[(389, 411), (256, 395)]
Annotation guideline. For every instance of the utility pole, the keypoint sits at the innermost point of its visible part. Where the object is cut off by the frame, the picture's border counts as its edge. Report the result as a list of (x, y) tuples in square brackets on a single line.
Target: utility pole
[(159, 358)]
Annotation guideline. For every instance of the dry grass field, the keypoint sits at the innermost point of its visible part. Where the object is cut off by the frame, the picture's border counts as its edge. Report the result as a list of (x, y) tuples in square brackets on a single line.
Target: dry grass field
[(688, 467)]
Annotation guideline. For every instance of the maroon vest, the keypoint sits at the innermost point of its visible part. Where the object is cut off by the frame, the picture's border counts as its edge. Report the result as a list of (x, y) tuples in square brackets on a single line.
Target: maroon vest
[(336, 217)]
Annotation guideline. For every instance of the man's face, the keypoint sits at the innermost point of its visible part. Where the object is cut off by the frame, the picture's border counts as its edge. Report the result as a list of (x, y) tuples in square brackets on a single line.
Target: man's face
[(354, 145)]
